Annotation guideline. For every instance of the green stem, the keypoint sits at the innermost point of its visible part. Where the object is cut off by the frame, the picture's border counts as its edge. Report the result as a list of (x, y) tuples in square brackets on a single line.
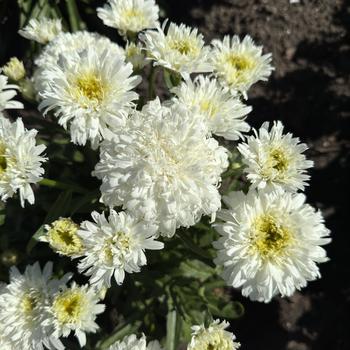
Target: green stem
[(74, 18), (62, 185)]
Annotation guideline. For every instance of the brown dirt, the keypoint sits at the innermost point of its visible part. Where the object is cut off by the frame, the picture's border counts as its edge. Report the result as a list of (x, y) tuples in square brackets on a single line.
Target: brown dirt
[(309, 91)]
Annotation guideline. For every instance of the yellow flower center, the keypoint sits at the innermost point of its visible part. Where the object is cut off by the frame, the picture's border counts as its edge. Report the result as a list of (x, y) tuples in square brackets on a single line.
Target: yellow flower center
[(89, 86), (237, 68), (270, 238), (69, 306), (184, 46), (208, 107), (122, 240), (63, 237), (28, 304), (133, 13), (279, 160)]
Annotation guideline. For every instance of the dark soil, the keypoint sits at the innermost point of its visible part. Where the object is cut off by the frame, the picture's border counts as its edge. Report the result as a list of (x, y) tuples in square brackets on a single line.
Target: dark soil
[(309, 91)]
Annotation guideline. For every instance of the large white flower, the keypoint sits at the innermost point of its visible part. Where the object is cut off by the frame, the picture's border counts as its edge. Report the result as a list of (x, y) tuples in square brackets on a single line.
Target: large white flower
[(75, 309), (131, 342), (114, 246), (23, 304), (275, 160), (221, 111), (239, 65), (270, 243), (41, 30), (163, 167), (65, 44), (129, 15), (214, 337), (7, 92), (181, 49), (20, 160), (90, 92)]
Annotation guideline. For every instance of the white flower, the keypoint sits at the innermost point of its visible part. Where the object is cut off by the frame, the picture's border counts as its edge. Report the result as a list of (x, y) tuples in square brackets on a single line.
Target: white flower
[(135, 54), (239, 65), (23, 304), (114, 246), (163, 168), (181, 49), (270, 243), (131, 342), (223, 113), (67, 43), (89, 92), (62, 237), (75, 309), (215, 337), (7, 92), (275, 160), (14, 69), (20, 160), (129, 15), (42, 30)]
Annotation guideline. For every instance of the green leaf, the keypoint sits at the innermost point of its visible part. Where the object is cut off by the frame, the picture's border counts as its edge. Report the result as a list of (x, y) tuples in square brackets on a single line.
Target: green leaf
[(196, 269), (2, 213), (231, 310), (173, 330)]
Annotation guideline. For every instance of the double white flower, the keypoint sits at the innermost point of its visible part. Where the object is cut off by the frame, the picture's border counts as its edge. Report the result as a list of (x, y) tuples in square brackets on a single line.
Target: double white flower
[(181, 49), (20, 160), (213, 337), (129, 16), (162, 167), (275, 160), (114, 246), (223, 113), (41, 30), (90, 93), (239, 64), (270, 243), (131, 342)]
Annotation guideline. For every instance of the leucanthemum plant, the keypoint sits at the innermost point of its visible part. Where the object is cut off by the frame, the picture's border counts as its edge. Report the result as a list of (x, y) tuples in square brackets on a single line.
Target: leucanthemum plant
[(158, 197)]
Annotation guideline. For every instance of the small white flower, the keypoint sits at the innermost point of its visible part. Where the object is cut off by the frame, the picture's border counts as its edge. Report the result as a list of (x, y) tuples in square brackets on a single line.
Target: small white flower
[(135, 54), (7, 92), (20, 160), (75, 309), (129, 15), (275, 160), (270, 243), (62, 237), (14, 69), (162, 167), (23, 304), (215, 337), (222, 112), (181, 49), (131, 342), (90, 93), (114, 246), (239, 65), (42, 30)]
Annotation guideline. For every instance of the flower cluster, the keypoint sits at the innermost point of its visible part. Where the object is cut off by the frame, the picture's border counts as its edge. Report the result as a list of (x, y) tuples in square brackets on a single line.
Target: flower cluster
[(160, 164), (36, 309)]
